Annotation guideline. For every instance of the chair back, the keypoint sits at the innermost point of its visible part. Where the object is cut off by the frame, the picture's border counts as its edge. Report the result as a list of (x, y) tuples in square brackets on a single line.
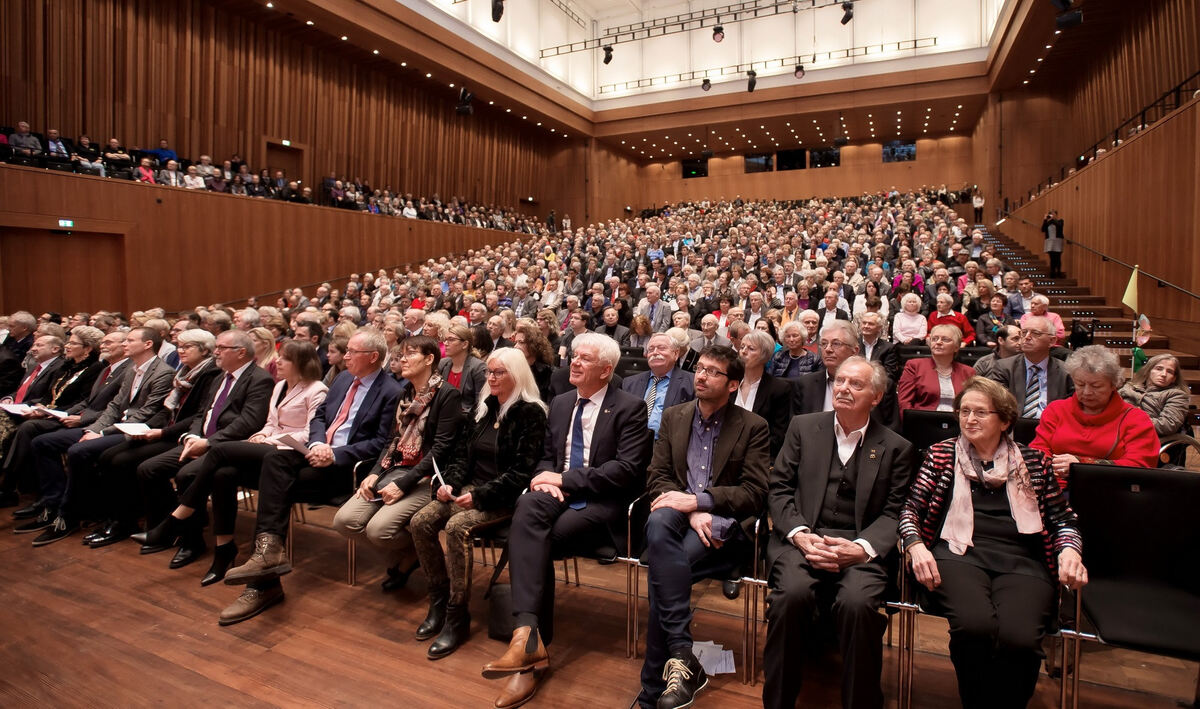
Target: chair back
[(629, 366), (970, 355), (907, 352), (924, 428), (1138, 523), (1025, 430)]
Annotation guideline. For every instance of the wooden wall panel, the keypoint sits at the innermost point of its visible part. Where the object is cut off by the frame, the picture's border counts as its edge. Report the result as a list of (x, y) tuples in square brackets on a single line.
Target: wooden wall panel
[(183, 248), (31, 261), (211, 81), (1139, 203)]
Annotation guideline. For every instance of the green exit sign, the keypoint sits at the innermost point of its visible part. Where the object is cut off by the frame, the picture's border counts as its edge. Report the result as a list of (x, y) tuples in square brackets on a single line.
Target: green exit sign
[(66, 223)]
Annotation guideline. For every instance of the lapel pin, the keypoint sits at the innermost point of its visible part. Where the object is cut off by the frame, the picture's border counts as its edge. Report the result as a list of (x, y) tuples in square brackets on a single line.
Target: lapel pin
[(607, 411), (872, 454)]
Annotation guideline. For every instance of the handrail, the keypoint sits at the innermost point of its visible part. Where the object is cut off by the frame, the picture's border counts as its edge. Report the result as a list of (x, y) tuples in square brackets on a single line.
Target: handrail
[(1162, 282)]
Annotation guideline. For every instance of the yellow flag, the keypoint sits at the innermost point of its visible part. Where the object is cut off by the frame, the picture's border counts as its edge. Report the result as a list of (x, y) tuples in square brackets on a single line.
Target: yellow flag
[(1131, 292)]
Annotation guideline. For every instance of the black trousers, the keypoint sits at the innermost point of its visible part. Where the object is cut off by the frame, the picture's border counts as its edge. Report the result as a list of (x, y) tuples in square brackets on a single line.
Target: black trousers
[(120, 494), (286, 476), (676, 558), (154, 475), (853, 596), (996, 626), (18, 464), (544, 529), (219, 472), (979, 215), (1055, 263)]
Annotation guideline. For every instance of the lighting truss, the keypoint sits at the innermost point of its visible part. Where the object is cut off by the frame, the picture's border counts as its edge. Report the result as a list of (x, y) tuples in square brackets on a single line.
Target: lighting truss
[(560, 4), (785, 63), (689, 21)]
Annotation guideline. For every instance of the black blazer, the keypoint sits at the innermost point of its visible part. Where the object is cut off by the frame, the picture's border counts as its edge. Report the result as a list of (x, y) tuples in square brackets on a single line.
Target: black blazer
[(519, 447), (801, 475), (473, 374), (437, 439), (773, 403), (809, 398), (39, 389), (74, 382), (197, 401), (245, 409), (614, 471), (886, 354), (102, 392), (682, 387), (1010, 372)]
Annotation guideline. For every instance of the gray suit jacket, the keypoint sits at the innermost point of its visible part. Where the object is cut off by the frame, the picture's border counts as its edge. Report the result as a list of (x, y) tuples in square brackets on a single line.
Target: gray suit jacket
[(146, 406), (697, 343), (662, 315), (1010, 372)]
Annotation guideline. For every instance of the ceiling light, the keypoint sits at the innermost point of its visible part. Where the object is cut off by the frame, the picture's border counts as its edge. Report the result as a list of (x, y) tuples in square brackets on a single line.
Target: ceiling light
[(607, 54), (705, 85), (270, 4), (309, 23), (451, 85), (847, 12), (403, 63), (491, 103), (718, 33), (799, 73), (375, 51), (1025, 81), (344, 38), (428, 75)]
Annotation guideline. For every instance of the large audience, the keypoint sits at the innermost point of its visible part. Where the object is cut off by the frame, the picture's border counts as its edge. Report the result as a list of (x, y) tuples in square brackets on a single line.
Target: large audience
[(719, 360)]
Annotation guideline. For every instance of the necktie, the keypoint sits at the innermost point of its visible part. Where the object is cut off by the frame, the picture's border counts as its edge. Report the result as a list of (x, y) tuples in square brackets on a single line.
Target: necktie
[(218, 406), (1032, 393), (344, 412), (104, 375), (576, 460), (20, 397), (652, 394)]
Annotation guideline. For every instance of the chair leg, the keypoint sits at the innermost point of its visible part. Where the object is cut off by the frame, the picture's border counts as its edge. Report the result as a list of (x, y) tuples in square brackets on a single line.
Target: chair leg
[(566, 573), (351, 565), (575, 559), (288, 544)]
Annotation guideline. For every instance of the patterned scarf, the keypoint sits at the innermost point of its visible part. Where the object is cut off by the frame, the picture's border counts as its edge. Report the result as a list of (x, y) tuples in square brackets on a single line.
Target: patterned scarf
[(410, 426), (1009, 469), (184, 381)]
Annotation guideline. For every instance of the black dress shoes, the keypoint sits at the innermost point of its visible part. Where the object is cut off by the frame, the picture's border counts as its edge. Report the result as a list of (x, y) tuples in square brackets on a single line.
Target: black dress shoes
[(110, 533), (685, 678), (189, 551), (43, 519), (161, 537), (28, 512), (397, 579), (223, 557)]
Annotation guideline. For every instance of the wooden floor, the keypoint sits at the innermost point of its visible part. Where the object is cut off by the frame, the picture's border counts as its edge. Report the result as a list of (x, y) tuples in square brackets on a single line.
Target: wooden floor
[(111, 628)]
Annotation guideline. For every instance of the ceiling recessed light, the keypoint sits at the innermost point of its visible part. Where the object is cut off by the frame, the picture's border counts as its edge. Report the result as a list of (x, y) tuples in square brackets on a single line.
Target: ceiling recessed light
[(1047, 46), (403, 63), (1039, 59), (451, 85), (1033, 71), (344, 38), (524, 118), (428, 75), (508, 110), (491, 103), (375, 51), (551, 130), (270, 4), (1025, 81), (309, 23), (959, 105)]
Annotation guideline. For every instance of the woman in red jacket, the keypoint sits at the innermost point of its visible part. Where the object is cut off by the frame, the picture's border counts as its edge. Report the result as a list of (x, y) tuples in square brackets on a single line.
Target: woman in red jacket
[(931, 384), (946, 315), (1095, 425)]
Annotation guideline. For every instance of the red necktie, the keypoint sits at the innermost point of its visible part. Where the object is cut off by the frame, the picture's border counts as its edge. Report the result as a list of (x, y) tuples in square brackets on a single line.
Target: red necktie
[(20, 397), (344, 412), (104, 374)]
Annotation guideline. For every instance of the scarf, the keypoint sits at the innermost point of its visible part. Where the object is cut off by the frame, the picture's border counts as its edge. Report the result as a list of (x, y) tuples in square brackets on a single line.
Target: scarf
[(410, 424), (183, 383), (1009, 469)]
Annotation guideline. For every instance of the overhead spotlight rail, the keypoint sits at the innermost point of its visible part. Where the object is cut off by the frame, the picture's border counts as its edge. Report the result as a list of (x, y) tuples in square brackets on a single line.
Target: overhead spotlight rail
[(784, 64), (689, 21), (562, 5)]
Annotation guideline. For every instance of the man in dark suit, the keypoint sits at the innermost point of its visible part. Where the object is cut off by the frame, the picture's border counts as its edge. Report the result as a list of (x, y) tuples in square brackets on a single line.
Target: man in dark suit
[(828, 310), (665, 384), (613, 329), (836, 492), (814, 391), (492, 336), (104, 390), (1034, 377), (875, 348), (706, 477), (353, 425), (140, 400), (48, 361), (593, 466), (233, 408)]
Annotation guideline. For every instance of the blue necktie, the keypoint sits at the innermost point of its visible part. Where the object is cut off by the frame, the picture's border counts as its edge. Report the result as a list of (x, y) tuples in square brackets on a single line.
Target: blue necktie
[(577, 448)]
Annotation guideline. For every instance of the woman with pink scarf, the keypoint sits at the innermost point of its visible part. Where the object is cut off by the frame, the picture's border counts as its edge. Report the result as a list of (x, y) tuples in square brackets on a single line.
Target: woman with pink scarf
[(990, 535)]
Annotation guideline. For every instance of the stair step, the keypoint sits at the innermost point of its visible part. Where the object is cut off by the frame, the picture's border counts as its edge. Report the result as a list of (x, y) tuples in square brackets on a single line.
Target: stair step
[(1084, 312), (1057, 301), (1065, 290), (1186, 360)]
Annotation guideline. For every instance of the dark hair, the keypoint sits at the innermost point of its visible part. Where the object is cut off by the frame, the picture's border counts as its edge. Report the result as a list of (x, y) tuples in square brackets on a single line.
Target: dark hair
[(303, 357), (151, 335), (734, 369), (1005, 331), (425, 345)]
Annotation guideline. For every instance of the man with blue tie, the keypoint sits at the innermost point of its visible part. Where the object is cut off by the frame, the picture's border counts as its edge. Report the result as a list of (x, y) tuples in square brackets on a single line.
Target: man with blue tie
[(655, 310), (1034, 377), (353, 425), (665, 385), (593, 466)]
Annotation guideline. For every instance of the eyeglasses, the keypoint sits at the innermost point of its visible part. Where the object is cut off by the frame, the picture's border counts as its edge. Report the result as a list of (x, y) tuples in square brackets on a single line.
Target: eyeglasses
[(452, 338), (941, 340), (832, 344), (497, 372), (1029, 334), (220, 348), (361, 352), (711, 372), (977, 414)]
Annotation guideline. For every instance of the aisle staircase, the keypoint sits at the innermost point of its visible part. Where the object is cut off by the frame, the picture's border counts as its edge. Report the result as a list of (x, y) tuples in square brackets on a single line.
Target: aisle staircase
[(1071, 301)]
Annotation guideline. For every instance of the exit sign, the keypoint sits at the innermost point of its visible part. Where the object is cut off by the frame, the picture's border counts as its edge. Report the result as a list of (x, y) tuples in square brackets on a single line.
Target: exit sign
[(66, 223)]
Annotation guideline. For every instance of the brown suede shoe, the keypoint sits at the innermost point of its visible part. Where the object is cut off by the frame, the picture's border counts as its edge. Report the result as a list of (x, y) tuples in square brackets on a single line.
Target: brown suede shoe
[(516, 659), (252, 602), (268, 561), (519, 689)]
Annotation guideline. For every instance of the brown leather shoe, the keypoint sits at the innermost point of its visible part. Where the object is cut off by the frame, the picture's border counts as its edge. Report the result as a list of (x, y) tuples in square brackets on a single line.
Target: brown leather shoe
[(516, 659), (252, 602), (519, 689), (268, 561)]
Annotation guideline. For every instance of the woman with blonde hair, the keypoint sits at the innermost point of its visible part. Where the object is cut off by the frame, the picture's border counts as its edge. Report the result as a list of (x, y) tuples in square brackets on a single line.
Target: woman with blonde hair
[(491, 466), (265, 354)]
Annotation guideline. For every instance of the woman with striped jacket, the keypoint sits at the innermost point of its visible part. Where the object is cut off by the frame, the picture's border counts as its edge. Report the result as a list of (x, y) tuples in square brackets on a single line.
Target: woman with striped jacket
[(988, 533)]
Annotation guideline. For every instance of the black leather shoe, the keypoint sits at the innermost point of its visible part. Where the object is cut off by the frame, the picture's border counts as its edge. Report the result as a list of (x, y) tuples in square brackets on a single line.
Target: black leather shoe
[(111, 533), (164, 534), (397, 579), (732, 588), (10, 498), (28, 512), (223, 557), (96, 533), (43, 519), (188, 552), (454, 633), (60, 528), (685, 678), (436, 617)]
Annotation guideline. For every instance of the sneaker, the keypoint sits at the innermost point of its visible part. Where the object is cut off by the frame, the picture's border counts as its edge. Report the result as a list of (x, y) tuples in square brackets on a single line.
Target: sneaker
[(685, 678), (60, 528), (43, 520)]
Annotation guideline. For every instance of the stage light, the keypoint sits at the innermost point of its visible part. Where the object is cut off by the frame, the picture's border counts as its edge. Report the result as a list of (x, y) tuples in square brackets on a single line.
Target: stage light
[(497, 10), (752, 82), (705, 85), (465, 98), (847, 12), (718, 33), (799, 71), (608, 54)]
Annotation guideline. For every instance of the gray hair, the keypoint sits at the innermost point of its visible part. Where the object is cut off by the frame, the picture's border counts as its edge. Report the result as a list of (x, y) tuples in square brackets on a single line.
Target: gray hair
[(879, 375), (24, 318), (763, 341), (646, 347), (372, 339), (607, 349), (679, 338), (944, 297), (872, 315), (200, 337), (845, 326), (792, 325), (89, 336), (908, 298), (352, 312), (1095, 359), (1040, 299), (250, 318)]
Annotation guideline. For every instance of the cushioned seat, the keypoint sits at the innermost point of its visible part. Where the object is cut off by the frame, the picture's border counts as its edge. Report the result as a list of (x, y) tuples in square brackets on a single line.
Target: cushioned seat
[(1143, 615)]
